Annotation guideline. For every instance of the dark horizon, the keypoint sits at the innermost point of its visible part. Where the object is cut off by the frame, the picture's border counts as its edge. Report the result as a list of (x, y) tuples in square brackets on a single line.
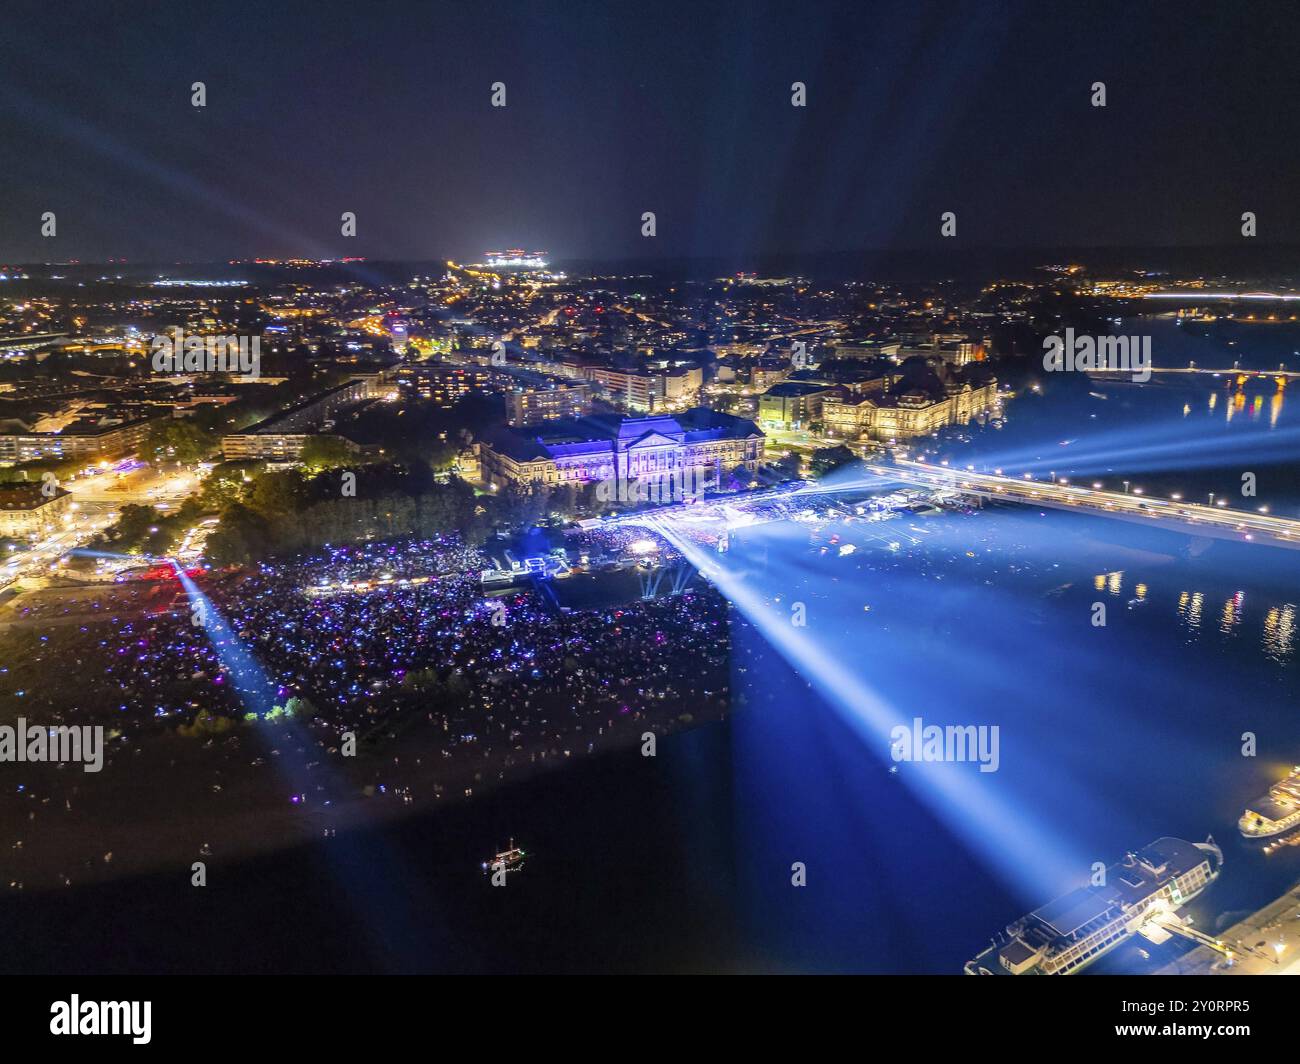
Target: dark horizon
[(1243, 263)]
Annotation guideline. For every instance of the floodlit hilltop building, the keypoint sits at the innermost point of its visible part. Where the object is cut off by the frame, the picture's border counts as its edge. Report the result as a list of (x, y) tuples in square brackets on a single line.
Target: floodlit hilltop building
[(607, 446)]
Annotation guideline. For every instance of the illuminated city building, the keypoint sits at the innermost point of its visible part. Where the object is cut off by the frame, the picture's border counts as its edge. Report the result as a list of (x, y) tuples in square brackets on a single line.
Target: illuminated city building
[(28, 512), (868, 349), (678, 386), (282, 437), (81, 439), (445, 385), (914, 414), (632, 388), (530, 397), (845, 417), (954, 350), (794, 404), (532, 406), (607, 446)]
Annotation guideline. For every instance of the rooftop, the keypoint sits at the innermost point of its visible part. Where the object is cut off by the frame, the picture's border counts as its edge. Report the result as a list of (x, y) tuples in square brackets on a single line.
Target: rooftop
[(27, 496), (603, 433)]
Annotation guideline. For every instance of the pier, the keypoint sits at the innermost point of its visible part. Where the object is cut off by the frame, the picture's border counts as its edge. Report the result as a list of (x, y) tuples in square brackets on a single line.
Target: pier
[(1265, 943)]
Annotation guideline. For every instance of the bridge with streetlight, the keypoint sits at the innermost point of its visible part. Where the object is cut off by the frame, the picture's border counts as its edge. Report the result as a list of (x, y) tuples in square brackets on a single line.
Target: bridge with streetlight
[(1214, 518)]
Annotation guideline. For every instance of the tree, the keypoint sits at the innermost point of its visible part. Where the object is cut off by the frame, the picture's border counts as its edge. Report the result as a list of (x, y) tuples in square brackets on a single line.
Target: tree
[(519, 505), (226, 484), (442, 455), (787, 467), (828, 459), (132, 526), (277, 494), (739, 479), (242, 536), (179, 439), (324, 451)]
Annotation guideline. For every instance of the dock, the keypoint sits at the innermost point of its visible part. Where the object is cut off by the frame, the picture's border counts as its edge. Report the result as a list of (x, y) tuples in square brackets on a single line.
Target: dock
[(1265, 943)]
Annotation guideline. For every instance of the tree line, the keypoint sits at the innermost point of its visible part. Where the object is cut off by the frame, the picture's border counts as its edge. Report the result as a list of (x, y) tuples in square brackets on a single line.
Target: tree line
[(290, 511)]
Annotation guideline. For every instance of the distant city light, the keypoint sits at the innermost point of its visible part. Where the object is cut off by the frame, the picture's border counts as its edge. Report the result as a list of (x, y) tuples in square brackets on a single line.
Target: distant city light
[(516, 257)]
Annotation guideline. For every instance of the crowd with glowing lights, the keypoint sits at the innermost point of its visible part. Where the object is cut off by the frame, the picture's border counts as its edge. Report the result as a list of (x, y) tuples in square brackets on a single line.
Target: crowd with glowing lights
[(379, 638)]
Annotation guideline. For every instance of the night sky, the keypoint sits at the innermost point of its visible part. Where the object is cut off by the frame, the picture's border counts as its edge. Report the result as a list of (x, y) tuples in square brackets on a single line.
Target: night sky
[(618, 108)]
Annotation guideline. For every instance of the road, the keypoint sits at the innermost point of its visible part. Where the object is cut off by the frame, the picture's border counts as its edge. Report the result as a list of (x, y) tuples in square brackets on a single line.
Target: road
[(145, 486), (96, 504), (1190, 517), (1279, 375)]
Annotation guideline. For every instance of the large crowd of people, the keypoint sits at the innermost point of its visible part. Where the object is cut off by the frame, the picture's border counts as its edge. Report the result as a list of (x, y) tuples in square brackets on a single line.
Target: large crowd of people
[(443, 686), (499, 677)]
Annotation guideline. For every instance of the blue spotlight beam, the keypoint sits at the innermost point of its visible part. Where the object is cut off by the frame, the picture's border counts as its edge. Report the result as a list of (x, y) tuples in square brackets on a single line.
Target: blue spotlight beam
[(1011, 840)]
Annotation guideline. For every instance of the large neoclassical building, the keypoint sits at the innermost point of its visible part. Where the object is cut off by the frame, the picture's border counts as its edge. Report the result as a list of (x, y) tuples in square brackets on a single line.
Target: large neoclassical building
[(905, 417), (607, 446)]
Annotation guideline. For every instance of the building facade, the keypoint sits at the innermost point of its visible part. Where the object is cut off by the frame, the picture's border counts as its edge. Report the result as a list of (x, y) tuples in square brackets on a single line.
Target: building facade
[(605, 447), (629, 387), (533, 406), (846, 417), (76, 441), (906, 416), (281, 437), (794, 404), (446, 384), (27, 512)]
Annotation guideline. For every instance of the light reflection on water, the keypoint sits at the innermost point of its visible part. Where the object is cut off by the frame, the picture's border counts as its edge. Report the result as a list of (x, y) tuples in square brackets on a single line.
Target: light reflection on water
[(1277, 627), (1279, 633)]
